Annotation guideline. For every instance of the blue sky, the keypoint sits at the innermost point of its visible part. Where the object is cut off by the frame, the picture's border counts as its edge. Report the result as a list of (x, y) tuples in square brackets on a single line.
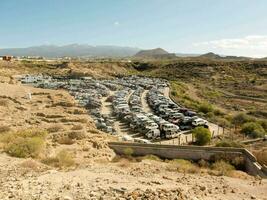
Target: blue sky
[(236, 27)]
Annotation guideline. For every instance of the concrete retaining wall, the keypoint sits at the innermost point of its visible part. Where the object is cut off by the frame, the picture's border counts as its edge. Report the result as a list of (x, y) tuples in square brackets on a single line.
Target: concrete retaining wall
[(194, 153)]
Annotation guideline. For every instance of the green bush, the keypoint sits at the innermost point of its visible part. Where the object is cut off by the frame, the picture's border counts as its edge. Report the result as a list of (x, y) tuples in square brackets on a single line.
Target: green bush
[(205, 108), (253, 130), (202, 135)]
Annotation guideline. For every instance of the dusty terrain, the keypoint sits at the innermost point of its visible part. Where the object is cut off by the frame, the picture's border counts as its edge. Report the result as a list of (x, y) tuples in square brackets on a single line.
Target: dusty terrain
[(120, 180), (94, 175)]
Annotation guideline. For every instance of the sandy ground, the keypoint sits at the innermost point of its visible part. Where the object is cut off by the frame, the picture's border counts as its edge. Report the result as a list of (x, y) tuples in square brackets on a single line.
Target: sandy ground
[(120, 180), (47, 109)]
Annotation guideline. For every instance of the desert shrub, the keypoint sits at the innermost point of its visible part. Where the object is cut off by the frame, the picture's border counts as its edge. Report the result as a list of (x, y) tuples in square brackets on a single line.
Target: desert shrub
[(223, 122), (4, 129), (25, 147), (240, 119), (65, 159), (253, 129), (184, 166), (62, 159), (205, 108), (54, 129), (222, 167), (128, 151), (202, 135), (30, 164), (228, 143), (77, 127)]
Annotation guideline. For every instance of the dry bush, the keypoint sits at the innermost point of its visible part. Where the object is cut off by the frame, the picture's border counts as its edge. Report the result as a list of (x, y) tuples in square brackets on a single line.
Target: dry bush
[(222, 168), (4, 129), (23, 144), (77, 135), (62, 159), (77, 127), (184, 166), (30, 164), (25, 147), (55, 128)]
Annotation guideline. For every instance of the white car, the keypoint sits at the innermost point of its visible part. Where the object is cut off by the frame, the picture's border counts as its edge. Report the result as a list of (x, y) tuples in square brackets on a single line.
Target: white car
[(199, 122)]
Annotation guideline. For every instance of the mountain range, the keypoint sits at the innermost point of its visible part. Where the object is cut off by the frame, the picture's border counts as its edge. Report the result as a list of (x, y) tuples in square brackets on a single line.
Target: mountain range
[(72, 50)]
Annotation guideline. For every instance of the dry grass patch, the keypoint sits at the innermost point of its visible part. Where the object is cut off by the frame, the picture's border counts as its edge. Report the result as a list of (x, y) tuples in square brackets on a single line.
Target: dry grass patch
[(222, 168), (61, 160), (183, 166)]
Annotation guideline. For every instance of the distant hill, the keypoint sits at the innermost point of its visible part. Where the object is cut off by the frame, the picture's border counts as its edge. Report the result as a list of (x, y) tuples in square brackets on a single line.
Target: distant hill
[(157, 53), (210, 55), (73, 50)]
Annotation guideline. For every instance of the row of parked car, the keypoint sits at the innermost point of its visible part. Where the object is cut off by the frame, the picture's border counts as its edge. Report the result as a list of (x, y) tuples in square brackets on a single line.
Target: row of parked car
[(165, 108)]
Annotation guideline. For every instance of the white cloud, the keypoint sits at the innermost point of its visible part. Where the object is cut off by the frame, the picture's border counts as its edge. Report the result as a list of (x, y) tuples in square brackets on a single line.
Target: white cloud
[(116, 23), (248, 46)]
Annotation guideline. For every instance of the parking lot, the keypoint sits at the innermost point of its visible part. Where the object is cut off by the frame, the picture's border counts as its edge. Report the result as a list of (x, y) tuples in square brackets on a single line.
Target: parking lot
[(133, 108)]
